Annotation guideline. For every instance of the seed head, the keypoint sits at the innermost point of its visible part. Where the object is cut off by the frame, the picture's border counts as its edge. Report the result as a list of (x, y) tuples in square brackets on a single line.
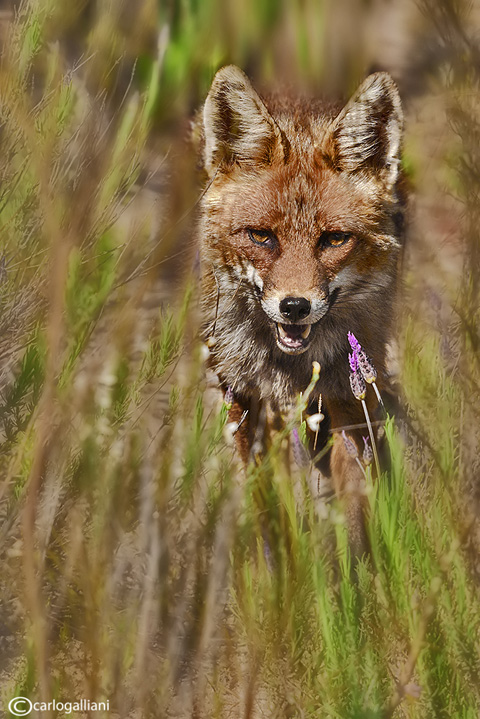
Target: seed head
[(314, 420), (228, 398), (367, 452), (413, 691), (229, 432)]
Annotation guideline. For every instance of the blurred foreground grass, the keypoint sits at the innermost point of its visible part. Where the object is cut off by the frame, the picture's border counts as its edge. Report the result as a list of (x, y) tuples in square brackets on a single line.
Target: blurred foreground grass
[(134, 552)]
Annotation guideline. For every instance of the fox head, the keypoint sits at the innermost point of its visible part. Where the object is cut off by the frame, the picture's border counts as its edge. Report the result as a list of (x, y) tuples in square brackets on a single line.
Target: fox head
[(301, 216)]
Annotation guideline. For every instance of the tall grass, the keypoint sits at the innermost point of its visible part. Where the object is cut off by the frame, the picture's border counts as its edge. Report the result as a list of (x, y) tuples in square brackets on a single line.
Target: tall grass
[(140, 564)]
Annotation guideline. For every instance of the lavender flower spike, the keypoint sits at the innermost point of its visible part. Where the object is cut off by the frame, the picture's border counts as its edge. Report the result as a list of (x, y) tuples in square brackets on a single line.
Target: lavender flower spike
[(357, 383), (359, 389), (354, 343), (367, 368), (365, 364), (353, 361), (228, 398)]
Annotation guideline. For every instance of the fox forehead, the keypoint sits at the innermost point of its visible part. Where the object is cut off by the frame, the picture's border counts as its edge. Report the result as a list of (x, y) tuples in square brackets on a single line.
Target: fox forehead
[(294, 199)]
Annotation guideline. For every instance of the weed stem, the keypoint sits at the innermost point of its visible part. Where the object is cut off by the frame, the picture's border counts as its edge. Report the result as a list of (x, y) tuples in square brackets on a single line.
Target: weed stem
[(372, 438), (379, 396), (361, 467)]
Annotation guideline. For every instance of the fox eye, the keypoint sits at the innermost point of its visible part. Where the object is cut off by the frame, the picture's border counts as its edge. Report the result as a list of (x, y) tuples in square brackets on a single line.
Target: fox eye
[(262, 237), (334, 239)]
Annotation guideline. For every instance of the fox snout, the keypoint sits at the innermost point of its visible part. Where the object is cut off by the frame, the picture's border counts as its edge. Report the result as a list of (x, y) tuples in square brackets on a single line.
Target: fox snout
[(295, 308), (293, 318)]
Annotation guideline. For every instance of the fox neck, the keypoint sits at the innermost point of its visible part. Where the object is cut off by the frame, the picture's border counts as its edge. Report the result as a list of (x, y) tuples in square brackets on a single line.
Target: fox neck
[(245, 354)]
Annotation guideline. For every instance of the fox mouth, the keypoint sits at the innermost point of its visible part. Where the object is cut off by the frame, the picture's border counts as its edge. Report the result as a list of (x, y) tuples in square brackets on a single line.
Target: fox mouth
[(293, 339)]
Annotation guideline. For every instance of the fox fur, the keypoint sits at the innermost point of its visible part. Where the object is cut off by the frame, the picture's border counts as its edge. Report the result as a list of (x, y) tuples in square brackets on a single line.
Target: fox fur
[(300, 235)]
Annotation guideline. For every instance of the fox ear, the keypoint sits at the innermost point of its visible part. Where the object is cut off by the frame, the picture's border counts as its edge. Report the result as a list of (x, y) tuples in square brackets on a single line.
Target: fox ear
[(367, 133), (238, 127)]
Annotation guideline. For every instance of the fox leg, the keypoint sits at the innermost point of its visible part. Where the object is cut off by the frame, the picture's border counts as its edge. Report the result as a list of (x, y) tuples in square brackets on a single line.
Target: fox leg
[(250, 416), (252, 439), (239, 413), (349, 486), (348, 478)]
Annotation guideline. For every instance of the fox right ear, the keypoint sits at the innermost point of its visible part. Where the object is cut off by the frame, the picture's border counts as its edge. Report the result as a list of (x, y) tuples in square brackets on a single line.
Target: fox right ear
[(238, 127), (367, 134)]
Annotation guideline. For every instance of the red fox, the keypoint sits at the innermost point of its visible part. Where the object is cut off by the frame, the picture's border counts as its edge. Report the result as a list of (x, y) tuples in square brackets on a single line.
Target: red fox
[(301, 232)]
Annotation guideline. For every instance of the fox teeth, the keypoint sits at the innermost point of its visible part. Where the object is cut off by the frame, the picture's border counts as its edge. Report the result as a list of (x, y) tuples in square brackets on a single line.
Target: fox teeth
[(304, 334)]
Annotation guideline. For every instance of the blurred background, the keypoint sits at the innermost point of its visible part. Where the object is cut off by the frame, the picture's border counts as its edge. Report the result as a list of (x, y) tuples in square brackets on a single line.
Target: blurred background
[(133, 549)]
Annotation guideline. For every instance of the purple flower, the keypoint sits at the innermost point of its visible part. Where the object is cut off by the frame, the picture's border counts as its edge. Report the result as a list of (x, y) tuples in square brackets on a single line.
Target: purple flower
[(357, 383), (367, 368), (365, 364), (354, 343), (228, 398), (353, 361)]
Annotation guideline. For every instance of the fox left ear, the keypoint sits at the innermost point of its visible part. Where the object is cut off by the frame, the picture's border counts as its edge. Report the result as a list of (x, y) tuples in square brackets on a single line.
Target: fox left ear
[(367, 134), (238, 128)]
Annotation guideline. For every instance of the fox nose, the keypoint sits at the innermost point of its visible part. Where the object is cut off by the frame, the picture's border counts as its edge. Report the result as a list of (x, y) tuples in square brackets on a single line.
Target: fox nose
[(295, 308)]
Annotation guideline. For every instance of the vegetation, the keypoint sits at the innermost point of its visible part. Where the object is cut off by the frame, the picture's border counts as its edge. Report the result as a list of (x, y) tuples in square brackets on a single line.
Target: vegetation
[(139, 564)]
